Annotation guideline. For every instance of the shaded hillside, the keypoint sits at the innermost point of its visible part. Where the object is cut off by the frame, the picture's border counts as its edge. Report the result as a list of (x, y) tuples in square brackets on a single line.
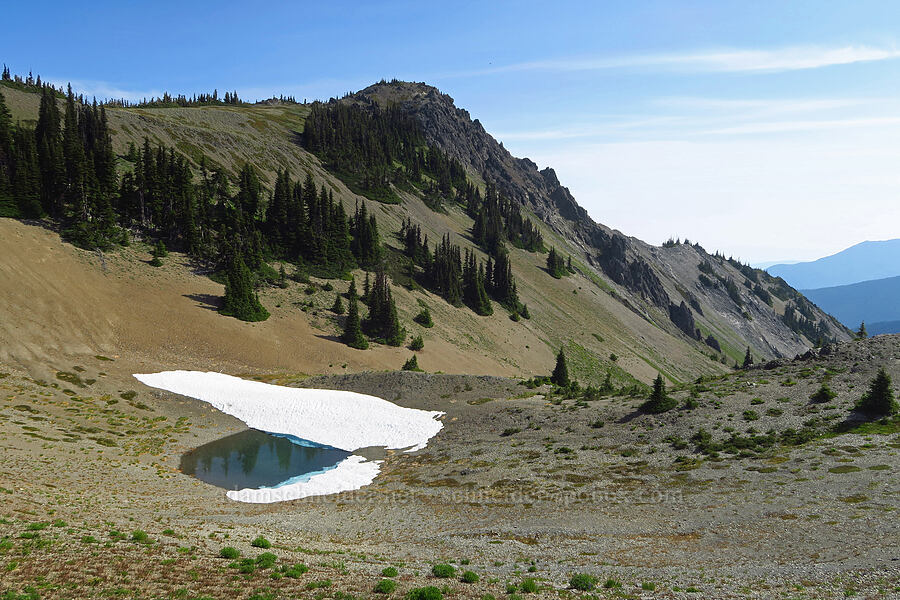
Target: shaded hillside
[(863, 262), (869, 301)]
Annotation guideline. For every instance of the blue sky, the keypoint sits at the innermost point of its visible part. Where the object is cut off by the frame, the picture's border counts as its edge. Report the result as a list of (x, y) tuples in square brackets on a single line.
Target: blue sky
[(769, 130)]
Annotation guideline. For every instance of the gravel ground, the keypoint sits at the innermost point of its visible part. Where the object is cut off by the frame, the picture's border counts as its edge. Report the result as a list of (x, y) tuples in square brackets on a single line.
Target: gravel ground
[(520, 483)]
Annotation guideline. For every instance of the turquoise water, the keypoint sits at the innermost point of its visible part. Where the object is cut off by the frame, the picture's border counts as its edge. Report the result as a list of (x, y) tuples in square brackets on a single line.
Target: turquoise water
[(256, 459)]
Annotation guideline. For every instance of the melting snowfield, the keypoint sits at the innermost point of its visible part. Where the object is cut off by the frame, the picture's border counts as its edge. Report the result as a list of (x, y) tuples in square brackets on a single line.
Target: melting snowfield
[(344, 420)]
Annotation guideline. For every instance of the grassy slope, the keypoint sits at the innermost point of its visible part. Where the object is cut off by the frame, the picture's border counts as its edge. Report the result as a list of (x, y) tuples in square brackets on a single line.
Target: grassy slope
[(575, 308)]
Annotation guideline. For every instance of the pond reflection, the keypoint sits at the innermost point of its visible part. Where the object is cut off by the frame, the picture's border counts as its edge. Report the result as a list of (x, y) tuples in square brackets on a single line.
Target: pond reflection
[(256, 459)]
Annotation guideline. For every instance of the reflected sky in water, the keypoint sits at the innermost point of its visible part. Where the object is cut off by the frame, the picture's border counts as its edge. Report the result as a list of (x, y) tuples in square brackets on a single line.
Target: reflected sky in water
[(256, 459)]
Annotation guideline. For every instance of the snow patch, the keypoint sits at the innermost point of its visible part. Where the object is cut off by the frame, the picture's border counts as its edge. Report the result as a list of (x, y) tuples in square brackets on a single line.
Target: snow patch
[(343, 420), (351, 473)]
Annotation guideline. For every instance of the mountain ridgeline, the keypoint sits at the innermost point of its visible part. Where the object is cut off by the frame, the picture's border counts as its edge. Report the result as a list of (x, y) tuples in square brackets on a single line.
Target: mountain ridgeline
[(626, 261), (359, 183)]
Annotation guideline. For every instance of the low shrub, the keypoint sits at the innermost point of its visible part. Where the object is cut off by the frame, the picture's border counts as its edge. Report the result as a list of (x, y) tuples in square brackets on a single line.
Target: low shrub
[(583, 582), (385, 586), (389, 572), (443, 570), (823, 394), (295, 571), (470, 577), (140, 536), (425, 593), (261, 542), (266, 560), (229, 553), (529, 585)]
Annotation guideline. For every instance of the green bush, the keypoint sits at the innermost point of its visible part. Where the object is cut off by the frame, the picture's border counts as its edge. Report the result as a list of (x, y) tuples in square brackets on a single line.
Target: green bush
[(318, 584), (266, 560), (583, 582), (389, 572), (470, 577), (424, 318), (612, 584), (529, 586), (385, 586), (261, 542), (140, 536), (823, 394), (425, 593), (443, 571), (417, 343), (246, 565), (229, 553), (295, 571)]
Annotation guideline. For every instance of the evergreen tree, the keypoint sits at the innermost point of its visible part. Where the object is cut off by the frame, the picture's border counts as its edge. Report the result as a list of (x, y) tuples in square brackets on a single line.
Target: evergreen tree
[(6, 150), (556, 266), (474, 294), (364, 231), (417, 343), (412, 364), (607, 387), (862, 333), (382, 322), (560, 374), (338, 306), (241, 301), (424, 318), (50, 154), (879, 400), (748, 359), (352, 335), (659, 400)]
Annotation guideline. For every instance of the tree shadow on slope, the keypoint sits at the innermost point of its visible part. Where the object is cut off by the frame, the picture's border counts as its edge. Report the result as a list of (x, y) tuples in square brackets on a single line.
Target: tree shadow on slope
[(207, 301)]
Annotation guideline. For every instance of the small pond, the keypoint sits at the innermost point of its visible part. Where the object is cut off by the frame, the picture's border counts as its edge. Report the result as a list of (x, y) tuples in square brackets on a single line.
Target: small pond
[(256, 459)]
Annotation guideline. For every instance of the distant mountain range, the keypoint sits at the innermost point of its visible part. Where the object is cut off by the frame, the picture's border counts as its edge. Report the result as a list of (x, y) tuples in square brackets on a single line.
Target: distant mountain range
[(863, 262), (859, 284), (876, 301)]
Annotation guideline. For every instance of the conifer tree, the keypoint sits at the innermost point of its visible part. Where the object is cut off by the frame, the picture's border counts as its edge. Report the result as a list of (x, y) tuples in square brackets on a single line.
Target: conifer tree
[(879, 400), (352, 335), (241, 301), (6, 150), (338, 306), (412, 364), (659, 400), (474, 294), (862, 333), (556, 266), (424, 318), (560, 374), (382, 322), (748, 359)]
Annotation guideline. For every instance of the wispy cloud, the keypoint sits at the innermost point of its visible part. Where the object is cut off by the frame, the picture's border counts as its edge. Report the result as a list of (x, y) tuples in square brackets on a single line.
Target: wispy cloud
[(710, 61), (694, 118), (806, 125)]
